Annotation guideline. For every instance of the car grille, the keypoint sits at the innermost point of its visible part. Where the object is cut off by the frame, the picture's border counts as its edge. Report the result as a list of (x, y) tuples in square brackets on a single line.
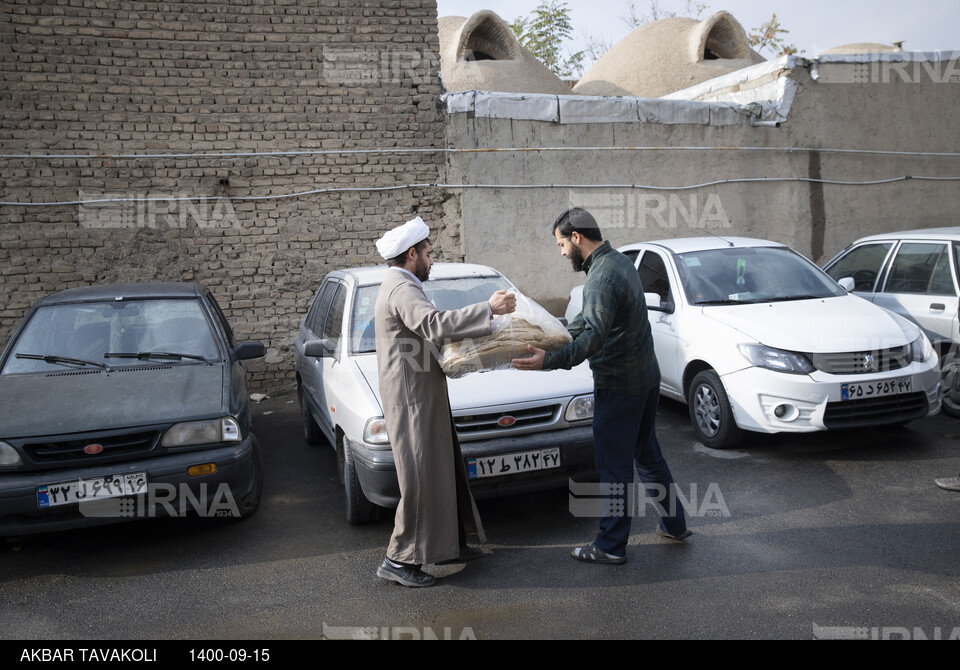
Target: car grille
[(862, 362), (71, 450), (875, 411), (523, 418)]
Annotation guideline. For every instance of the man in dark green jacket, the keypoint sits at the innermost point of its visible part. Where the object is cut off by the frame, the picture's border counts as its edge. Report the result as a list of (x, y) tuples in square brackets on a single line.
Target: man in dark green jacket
[(613, 333)]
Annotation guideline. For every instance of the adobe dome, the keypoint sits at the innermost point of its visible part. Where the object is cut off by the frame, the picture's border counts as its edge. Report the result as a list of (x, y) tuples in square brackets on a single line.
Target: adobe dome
[(669, 55), (482, 53)]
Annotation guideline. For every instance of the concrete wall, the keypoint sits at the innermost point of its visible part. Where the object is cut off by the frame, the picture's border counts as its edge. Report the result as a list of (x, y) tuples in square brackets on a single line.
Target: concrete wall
[(510, 229), (90, 78)]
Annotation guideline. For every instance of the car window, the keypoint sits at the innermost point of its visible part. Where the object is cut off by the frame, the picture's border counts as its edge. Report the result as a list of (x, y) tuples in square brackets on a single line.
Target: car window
[(653, 276), (318, 313), (632, 255), (334, 322), (863, 264), (739, 275), (921, 268), (90, 331), (445, 294), (220, 321)]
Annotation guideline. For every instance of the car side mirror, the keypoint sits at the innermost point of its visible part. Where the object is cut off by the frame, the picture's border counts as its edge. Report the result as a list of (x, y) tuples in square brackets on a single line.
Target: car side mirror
[(319, 348), (847, 284), (245, 351), (653, 302)]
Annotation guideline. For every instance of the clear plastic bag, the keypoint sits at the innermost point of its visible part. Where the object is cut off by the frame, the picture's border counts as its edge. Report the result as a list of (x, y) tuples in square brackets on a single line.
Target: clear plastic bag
[(529, 324)]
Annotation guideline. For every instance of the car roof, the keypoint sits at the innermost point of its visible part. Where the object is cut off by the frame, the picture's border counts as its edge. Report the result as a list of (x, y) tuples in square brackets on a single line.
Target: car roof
[(920, 234), (119, 292), (370, 275), (684, 245)]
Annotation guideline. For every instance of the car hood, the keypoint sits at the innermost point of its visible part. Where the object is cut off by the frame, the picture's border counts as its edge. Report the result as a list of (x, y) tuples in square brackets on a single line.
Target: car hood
[(86, 400), (841, 324), (499, 387)]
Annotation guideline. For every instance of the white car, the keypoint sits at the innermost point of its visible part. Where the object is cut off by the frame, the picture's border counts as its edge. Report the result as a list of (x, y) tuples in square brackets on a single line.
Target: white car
[(753, 336), (518, 431), (915, 274)]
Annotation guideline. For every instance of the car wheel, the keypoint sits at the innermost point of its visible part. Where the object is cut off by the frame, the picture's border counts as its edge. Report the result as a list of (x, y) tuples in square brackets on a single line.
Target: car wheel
[(311, 430), (950, 378), (360, 511), (710, 412), (247, 505)]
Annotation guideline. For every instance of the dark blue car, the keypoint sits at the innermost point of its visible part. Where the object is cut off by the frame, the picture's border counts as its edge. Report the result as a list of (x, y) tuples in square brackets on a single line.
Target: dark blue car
[(123, 402)]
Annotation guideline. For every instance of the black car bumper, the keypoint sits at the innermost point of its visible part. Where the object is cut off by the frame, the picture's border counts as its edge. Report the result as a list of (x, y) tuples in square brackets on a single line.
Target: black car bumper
[(378, 474), (171, 491)]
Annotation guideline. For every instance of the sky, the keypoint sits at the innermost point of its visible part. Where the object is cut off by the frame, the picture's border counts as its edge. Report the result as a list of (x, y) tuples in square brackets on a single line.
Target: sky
[(814, 25)]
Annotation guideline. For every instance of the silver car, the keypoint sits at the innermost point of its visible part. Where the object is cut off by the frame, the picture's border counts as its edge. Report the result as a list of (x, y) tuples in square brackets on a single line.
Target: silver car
[(518, 431), (915, 274)]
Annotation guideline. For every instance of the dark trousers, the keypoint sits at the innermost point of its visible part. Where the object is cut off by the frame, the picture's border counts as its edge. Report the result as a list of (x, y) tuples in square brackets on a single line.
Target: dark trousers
[(625, 435)]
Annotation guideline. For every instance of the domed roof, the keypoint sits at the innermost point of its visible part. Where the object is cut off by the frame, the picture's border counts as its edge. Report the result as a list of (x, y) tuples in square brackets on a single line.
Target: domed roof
[(666, 56), (482, 53)]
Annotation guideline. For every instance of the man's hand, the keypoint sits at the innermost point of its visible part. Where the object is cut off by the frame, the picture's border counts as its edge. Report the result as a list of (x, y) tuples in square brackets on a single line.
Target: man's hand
[(502, 303), (534, 362)]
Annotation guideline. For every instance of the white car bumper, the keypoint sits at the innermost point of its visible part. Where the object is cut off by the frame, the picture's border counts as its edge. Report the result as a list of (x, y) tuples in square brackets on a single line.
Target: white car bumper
[(772, 402)]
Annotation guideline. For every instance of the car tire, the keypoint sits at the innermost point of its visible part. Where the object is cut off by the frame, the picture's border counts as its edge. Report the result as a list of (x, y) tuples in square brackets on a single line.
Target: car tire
[(710, 413), (247, 505), (311, 429), (360, 511), (950, 378)]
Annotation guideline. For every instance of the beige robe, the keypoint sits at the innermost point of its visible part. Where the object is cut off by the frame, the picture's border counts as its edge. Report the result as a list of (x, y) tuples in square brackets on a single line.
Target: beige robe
[(413, 391)]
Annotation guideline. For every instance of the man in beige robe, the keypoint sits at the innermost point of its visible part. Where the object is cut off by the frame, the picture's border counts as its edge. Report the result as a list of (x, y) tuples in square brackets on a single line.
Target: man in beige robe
[(436, 507)]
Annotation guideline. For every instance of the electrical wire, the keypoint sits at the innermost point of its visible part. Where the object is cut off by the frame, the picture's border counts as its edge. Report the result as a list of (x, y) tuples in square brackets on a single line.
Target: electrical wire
[(450, 150), (376, 189)]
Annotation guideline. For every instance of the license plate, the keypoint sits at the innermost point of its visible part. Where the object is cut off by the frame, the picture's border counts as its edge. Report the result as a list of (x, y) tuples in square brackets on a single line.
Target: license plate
[(878, 389), (94, 488), (511, 464)]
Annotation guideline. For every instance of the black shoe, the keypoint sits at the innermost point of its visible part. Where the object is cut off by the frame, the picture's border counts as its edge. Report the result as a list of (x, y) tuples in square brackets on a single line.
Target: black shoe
[(467, 554), (406, 575)]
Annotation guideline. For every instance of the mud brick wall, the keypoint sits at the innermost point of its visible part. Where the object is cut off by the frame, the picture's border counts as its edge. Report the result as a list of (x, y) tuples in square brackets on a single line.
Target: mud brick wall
[(92, 82)]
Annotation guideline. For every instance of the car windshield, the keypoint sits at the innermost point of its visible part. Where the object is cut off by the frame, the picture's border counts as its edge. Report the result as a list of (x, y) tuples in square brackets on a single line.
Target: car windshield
[(739, 275), (113, 334), (443, 293)]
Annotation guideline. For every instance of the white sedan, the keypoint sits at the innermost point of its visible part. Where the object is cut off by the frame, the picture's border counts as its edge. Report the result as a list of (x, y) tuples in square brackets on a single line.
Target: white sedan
[(752, 336), (518, 432)]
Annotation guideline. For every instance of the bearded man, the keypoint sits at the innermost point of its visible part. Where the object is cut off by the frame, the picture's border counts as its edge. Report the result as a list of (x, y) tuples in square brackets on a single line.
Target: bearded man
[(436, 509), (613, 333)]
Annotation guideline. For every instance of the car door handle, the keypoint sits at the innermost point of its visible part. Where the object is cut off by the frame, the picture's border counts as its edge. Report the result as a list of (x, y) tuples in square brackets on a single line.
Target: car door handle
[(937, 307)]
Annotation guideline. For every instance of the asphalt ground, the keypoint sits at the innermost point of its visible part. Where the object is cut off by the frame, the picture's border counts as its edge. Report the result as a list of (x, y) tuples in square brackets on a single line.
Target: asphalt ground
[(838, 534)]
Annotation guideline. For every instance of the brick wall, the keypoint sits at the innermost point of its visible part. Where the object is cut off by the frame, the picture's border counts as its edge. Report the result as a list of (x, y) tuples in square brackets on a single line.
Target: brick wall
[(94, 78)]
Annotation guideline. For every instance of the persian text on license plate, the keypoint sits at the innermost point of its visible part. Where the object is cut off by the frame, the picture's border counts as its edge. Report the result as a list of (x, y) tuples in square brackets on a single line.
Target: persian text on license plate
[(877, 389), (510, 464), (94, 488)]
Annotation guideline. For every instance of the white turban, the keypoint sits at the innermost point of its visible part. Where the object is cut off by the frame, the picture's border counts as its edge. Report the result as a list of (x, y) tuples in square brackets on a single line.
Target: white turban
[(400, 239)]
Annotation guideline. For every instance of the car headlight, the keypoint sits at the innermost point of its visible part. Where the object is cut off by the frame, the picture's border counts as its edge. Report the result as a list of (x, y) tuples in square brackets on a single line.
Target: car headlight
[(920, 348), (776, 359), (212, 431), (580, 409), (375, 432), (9, 457)]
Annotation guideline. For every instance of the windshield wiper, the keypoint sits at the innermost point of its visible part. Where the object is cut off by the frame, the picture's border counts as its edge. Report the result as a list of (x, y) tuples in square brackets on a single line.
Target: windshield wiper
[(143, 355), (709, 303), (799, 297), (48, 358)]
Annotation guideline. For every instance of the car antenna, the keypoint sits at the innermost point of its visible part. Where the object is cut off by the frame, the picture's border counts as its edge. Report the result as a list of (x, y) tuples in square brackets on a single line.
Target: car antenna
[(723, 239)]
